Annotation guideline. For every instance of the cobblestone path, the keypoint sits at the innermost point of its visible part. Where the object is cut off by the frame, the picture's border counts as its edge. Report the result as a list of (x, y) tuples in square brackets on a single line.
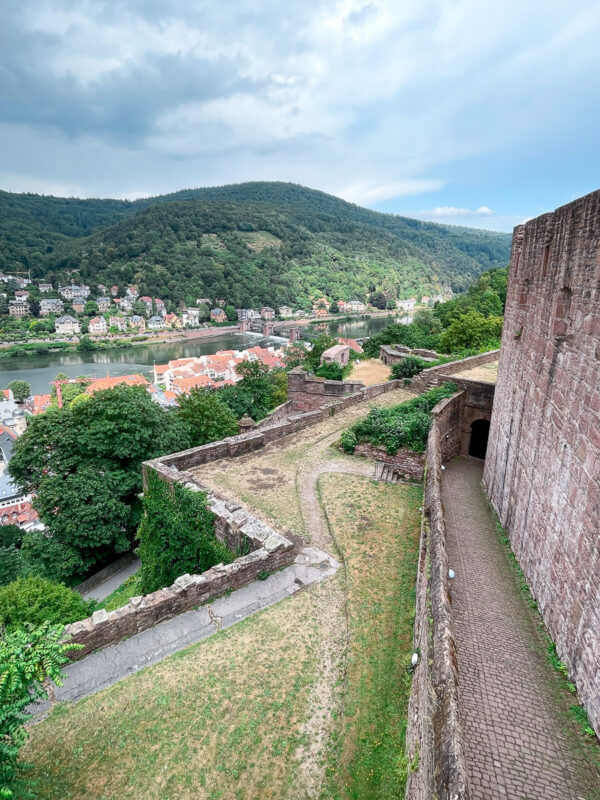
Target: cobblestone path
[(520, 741)]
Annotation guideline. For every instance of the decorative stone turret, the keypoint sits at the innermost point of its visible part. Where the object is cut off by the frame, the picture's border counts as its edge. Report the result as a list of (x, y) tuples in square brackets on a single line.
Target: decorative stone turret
[(246, 424)]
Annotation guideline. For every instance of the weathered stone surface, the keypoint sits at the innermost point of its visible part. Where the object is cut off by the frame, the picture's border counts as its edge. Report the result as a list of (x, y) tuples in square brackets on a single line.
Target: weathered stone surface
[(542, 469)]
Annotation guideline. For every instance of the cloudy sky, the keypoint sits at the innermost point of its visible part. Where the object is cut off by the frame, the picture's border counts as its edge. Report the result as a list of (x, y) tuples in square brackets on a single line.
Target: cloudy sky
[(460, 111)]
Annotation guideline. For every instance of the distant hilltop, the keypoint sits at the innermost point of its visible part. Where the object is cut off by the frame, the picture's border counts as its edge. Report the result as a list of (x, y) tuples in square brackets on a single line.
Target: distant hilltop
[(254, 243)]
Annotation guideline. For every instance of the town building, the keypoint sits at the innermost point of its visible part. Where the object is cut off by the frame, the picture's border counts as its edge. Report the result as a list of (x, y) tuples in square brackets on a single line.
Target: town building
[(244, 314), (321, 302), (218, 315), (267, 313), (38, 403), (114, 291), (191, 317), (352, 344), (67, 325), (148, 303), (102, 290), (285, 311), (21, 294), (355, 307), (203, 301), (44, 288), (98, 326), (406, 305), (173, 321), (156, 323), (79, 305), (103, 304), (71, 292), (120, 323), (51, 306), (160, 307), (18, 308), (132, 292), (137, 322), (13, 417)]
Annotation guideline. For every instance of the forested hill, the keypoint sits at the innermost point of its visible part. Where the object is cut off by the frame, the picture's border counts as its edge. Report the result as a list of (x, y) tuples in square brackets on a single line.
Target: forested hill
[(251, 244)]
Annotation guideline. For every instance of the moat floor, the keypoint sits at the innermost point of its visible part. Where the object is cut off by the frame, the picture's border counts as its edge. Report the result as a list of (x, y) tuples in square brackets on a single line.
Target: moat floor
[(521, 743)]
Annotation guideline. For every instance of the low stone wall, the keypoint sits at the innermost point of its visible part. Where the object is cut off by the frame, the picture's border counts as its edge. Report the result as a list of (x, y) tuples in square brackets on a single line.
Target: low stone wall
[(308, 393), (434, 731), (436, 375), (263, 549), (393, 354)]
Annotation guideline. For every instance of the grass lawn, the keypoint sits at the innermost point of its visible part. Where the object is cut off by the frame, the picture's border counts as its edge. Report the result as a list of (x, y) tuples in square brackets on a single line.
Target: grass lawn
[(370, 371), (376, 526)]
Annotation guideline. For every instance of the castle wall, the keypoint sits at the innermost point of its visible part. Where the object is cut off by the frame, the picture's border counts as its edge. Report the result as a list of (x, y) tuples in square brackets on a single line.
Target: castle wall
[(542, 470)]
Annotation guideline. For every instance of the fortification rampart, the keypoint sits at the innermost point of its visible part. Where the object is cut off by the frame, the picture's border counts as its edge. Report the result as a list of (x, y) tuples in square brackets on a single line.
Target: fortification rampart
[(434, 733), (542, 469)]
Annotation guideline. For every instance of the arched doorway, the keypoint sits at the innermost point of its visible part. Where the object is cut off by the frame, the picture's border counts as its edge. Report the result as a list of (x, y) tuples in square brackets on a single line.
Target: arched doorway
[(480, 430)]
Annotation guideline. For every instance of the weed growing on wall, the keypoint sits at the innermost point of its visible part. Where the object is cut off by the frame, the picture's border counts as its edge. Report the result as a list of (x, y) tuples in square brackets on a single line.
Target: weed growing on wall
[(177, 535)]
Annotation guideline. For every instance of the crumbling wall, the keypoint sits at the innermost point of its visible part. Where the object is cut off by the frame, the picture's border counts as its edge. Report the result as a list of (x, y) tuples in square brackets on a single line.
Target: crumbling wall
[(542, 469)]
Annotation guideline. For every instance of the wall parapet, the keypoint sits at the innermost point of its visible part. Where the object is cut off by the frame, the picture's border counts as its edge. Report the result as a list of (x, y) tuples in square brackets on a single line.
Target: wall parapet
[(434, 375), (266, 551), (434, 731)]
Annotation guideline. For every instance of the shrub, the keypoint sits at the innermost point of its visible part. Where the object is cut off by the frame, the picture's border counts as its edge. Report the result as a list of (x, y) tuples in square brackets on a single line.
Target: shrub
[(404, 425), (37, 600), (330, 371), (408, 367)]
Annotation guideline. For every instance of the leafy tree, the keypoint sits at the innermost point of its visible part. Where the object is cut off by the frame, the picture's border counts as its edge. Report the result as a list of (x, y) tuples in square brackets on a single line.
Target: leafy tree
[(204, 312), (177, 535), (37, 600), (378, 300), (334, 308), (231, 313), (295, 354), (330, 371), (84, 464), (471, 330), (91, 308), (206, 416), (20, 389), (320, 344), (30, 658), (86, 344)]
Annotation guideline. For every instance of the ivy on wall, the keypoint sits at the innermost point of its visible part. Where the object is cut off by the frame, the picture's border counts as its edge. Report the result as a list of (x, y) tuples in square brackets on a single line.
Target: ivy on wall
[(177, 535)]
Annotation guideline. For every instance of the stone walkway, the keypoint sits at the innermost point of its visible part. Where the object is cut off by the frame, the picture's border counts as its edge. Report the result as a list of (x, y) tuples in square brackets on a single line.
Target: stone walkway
[(112, 583), (520, 743), (111, 664)]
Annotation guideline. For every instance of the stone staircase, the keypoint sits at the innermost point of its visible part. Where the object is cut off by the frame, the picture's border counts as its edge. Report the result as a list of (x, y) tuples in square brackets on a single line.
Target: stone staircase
[(389, 472)]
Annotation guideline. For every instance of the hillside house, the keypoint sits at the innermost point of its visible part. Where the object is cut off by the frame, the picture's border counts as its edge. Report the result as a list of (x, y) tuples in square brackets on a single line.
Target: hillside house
[(148, 303), (79, 305), (67, 325), (406, 305), (285, 311), (321, 302), (22, 294), (191, 317), (137, 323), (132, 292), (71, 292), (156, 323), (120, 323), (355, 307), (203, 301), (103, 304), (44, 288), (18, 308), (218, 315), (114, 291), (172, 320), (51, 306), (13, 417), (267, 313), (102, 289), (98, 326), (160, 307)]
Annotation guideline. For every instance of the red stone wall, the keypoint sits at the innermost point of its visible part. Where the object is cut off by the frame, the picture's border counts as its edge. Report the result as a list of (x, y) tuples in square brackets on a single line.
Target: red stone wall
[(542, 468)]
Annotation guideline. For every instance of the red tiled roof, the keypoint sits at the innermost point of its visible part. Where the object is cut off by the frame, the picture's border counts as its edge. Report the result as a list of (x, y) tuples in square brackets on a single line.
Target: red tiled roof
[(110, 383), (41, 402), (352, 344)]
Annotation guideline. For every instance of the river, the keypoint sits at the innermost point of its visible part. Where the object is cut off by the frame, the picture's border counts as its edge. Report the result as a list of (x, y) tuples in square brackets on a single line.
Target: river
[(38, 371)]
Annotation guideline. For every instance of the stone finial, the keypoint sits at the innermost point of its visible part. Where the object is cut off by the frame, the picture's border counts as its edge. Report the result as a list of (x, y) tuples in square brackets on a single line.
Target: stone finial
[(246, 424)]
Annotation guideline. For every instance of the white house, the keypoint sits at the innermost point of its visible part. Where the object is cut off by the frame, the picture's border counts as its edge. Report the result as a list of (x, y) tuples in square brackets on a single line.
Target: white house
[(156, 323), (67, 325), (406, 305), (98, 325)]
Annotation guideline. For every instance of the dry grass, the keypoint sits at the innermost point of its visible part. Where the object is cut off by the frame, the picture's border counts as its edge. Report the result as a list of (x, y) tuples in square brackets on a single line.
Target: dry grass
[(486, 372), (370, 371)]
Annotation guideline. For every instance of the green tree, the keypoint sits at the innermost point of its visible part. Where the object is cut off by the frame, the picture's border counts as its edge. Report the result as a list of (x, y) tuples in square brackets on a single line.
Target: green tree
[(320, 344), (20, 389), (231, 313), (206, 417), (471, 330), (86, 344), (90, 309), (84, 465), (203, 312), (30, 658)]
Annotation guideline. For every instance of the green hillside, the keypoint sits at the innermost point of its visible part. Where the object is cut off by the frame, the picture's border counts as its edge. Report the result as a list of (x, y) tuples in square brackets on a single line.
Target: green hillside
[(249, 243)]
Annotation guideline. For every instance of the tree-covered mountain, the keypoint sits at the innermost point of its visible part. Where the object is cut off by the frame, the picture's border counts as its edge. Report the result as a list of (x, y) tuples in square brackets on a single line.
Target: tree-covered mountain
[(250, 244)]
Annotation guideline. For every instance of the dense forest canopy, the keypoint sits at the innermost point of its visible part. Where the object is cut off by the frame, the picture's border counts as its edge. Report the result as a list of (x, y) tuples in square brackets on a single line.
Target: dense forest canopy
[(251, 244)]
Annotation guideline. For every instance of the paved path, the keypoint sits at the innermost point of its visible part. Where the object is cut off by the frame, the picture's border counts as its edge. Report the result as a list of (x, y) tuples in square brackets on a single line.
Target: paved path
[(519, 743), (110, 665), (108, 586)]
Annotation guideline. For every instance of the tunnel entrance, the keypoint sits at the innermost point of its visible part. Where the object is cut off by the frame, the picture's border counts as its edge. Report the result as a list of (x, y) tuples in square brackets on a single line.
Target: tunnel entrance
[(480, 430)]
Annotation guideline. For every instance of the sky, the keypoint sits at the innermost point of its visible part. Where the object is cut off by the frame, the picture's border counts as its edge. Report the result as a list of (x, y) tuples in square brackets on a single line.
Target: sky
[(465, 112)]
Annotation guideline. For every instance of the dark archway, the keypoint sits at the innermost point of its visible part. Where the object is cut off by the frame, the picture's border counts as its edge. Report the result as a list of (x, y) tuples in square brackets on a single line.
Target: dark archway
[(480, 430)]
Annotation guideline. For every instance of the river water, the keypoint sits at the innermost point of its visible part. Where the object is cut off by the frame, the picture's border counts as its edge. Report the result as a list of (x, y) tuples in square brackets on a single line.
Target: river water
[(38, 371)]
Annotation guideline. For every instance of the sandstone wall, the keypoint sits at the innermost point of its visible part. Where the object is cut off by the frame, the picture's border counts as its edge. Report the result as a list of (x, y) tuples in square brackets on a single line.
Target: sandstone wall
[(436, 375), (542, 469), (434, 731)]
